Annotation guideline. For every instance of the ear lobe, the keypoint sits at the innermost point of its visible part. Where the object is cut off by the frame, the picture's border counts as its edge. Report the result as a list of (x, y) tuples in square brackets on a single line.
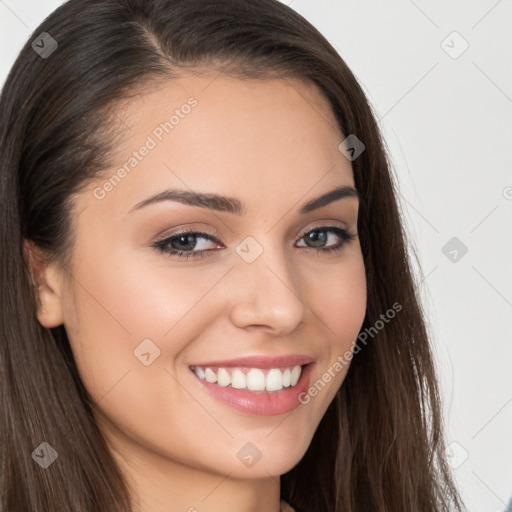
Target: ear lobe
[(47, 285)]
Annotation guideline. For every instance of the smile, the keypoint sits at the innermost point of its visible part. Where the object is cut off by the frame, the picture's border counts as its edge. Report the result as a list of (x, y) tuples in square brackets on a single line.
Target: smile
[(251, 379), (255, 391)]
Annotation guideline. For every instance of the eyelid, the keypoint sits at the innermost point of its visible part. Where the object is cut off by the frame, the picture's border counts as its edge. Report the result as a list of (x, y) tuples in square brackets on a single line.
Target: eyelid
[(324, 224), (188, 229)]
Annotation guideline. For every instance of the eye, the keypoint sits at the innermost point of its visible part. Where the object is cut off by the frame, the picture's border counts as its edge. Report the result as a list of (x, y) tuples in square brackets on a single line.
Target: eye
[(320, 241), (184, 244)]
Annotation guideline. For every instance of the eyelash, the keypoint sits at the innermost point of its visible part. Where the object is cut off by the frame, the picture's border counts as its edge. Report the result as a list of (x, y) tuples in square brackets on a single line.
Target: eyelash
[(162, 245)]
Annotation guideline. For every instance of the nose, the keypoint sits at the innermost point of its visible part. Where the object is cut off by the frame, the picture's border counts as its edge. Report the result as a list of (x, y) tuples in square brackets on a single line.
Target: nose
[(266, 292)]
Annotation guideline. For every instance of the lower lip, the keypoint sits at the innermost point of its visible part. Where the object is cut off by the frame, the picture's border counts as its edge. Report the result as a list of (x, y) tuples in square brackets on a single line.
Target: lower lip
[(260, 403)]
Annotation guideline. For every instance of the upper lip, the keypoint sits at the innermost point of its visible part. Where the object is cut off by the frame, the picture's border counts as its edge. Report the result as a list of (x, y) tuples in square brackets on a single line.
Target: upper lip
[(261, 361)]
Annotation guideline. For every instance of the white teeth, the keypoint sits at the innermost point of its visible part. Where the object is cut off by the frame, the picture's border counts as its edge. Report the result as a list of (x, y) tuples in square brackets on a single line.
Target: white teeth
[(209, 375), (255, 379), (238, 380), (223, 377), (274, 380), (287, 378), (295, 375)]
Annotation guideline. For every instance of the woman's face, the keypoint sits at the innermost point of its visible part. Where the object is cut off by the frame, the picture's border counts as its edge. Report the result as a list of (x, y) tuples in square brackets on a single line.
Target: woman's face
[(258, 283)]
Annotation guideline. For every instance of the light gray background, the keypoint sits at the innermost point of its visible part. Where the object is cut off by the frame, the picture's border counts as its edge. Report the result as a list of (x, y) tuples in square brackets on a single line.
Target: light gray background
[(447, 119)]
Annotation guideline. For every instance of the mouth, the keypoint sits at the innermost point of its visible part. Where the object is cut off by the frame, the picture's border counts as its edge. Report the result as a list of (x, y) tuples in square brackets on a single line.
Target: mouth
[(254, 390), (250, 379)]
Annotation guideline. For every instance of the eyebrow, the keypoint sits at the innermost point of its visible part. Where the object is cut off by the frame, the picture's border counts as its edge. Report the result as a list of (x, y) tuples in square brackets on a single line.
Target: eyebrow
[(235, 206)]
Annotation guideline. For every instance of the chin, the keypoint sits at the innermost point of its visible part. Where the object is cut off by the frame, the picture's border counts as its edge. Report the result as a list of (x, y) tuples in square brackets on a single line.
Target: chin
[(275, 457)]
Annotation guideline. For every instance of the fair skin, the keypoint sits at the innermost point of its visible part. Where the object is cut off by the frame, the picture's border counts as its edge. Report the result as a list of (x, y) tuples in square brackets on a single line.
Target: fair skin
[(273, 145)]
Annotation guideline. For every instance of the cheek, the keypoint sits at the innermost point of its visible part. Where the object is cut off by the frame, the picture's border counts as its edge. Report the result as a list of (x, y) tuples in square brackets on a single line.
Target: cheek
[(130, 299), (339, 298), (337, 295), (123, 301), (122, 305)]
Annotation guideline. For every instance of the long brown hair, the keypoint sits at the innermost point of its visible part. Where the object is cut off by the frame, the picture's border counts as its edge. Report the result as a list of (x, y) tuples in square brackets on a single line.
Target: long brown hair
[(380, 445)]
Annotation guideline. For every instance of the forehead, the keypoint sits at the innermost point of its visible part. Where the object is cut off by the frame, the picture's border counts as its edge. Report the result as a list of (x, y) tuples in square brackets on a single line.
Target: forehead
[(214, 89), (244, 138)]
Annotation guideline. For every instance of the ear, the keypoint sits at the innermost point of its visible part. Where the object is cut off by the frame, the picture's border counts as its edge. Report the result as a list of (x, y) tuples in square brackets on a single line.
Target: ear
[(47, 283)]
